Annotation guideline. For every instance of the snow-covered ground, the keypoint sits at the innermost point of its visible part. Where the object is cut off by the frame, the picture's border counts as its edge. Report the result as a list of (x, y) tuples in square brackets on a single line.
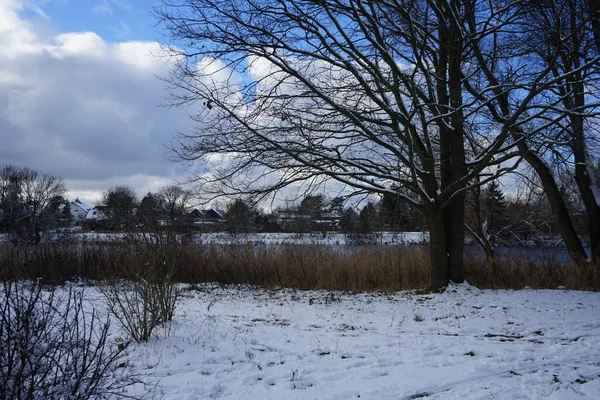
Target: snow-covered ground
[(253, 343)]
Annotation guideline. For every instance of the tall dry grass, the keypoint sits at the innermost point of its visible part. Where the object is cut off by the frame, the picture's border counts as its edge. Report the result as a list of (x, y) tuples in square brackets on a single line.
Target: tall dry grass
[(516, 272), (308, 267), (363, 268)]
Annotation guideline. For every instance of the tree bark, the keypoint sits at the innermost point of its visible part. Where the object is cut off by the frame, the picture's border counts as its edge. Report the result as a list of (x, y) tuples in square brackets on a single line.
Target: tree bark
[(454, 230), (452, 153), (438, 250), (557, 203), (582, 176)]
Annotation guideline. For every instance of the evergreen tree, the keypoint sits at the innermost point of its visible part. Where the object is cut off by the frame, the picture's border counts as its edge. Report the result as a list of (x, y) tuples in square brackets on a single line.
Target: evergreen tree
[(240, 217), (495, 210), (349, 220), (368, 219), (66, 216), (336, 205), (312, 205), (120, 203), (150, 209), (150, 205)]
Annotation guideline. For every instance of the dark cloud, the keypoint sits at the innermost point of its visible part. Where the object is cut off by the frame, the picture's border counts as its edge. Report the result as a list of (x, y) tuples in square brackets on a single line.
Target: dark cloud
[(84, 109)]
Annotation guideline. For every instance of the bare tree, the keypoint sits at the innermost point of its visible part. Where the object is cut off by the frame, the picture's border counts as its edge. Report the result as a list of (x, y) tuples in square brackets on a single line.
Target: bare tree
[(566, 41), (25, 195), (380, 96), (175, 199)]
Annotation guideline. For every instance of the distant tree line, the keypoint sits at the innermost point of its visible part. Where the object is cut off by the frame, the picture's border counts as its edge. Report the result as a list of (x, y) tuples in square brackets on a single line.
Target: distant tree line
[(32, 202), (121, 209)]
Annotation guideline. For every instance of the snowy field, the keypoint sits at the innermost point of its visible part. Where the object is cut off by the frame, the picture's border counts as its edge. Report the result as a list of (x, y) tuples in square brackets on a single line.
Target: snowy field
[(252, 343)]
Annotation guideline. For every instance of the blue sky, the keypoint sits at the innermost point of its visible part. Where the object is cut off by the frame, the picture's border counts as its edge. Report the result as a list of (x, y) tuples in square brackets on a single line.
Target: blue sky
[(113, 20)]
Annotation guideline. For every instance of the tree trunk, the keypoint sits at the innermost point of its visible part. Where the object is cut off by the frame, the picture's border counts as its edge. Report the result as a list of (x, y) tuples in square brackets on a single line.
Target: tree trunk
[(454, 230), (452, 152), (478, 233), (557, 204), (438, 251), (479, 236), (584, 178), (594, 222)]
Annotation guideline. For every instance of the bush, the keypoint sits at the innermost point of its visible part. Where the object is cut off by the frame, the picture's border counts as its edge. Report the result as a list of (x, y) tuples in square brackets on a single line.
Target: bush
[(53, 349), (142, 305), (150, 298)]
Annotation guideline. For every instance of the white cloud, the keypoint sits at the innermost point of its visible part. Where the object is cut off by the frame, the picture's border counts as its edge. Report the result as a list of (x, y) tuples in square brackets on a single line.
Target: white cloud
[(103, 8), (106, 6), (82, 108), (122, 31), (78, 44)]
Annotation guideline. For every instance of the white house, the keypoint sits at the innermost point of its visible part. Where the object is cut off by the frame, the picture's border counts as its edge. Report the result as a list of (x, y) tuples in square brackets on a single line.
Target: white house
[(97, 213), (79, 210)]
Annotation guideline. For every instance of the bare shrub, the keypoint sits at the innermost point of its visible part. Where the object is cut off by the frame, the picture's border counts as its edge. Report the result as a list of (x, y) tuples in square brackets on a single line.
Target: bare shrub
[(150, 296), (53, 349), (134, 306)]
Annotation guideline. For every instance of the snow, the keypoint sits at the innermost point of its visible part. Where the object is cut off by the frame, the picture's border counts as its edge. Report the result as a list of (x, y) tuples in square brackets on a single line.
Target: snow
[(331, 238), (230, 342), (84, 205), (223, 238), (95, 214)]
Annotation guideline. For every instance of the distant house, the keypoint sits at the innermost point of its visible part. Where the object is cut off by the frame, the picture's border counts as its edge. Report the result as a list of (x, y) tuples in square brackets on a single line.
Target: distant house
[(195, 214), (297, 221), (292, 219), (214, 215), (285, 216), (210, 216), (98, 213), (329, 221), (78, 210)]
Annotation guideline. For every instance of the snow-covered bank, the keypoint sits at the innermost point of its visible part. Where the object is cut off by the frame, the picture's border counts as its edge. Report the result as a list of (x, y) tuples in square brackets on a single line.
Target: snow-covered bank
[(250, 343), (331, 238)]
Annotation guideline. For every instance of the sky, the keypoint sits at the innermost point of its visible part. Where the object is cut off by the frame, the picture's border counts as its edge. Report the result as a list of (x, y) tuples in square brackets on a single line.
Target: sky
[(80, 97)]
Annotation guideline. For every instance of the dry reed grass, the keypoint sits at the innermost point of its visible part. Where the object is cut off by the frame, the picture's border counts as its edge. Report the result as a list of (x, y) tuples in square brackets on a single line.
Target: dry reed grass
[(516, 272), (364, 268)]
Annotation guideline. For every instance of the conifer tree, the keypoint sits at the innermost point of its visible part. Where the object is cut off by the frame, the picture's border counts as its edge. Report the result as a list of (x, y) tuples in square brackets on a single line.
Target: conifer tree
[(494, 210)]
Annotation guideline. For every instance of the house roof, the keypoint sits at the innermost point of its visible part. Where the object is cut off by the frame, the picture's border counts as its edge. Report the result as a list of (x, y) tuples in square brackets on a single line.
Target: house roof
[(95, 213), (214, 213), (82, 204), (210, 213)]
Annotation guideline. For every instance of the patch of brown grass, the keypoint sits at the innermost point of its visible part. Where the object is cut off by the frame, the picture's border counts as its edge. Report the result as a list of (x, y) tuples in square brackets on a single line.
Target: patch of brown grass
[(514, 272), (355, 269), (308, 267)]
